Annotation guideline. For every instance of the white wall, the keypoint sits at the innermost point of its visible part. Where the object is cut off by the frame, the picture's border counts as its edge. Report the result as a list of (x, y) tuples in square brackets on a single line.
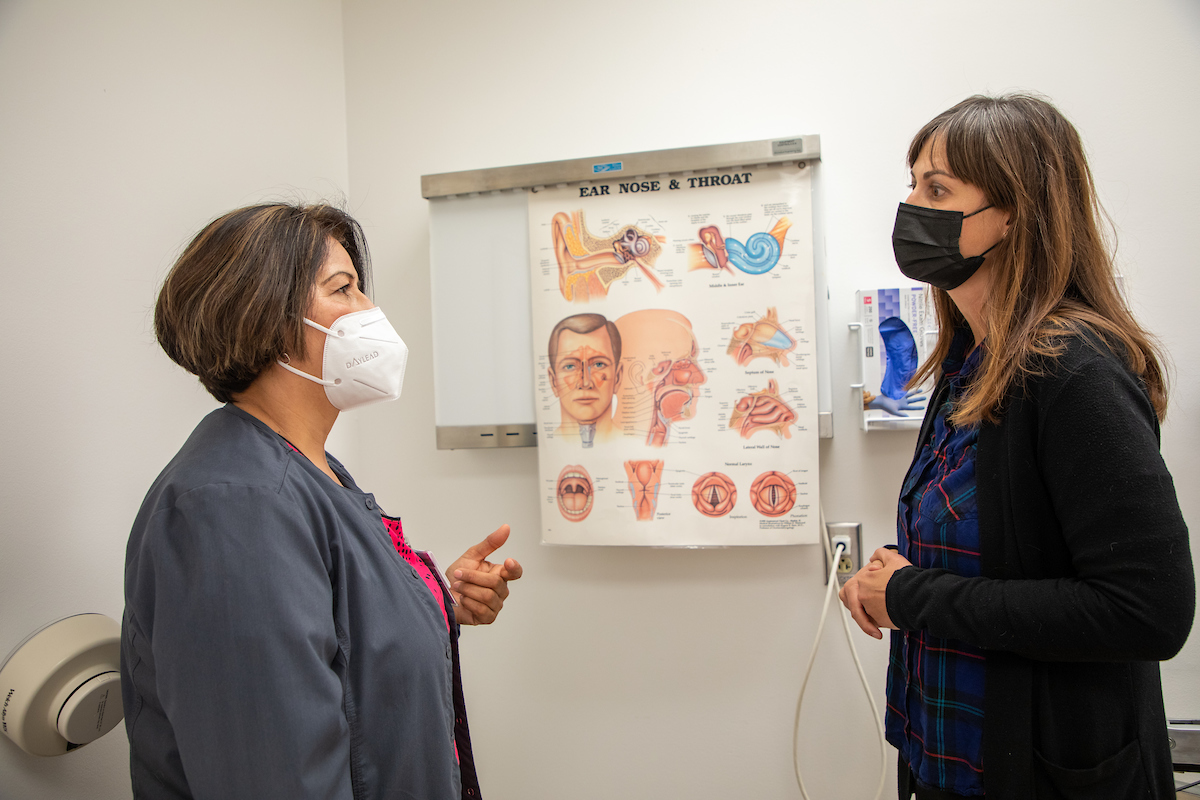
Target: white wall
[(647, 674), (125, 126)]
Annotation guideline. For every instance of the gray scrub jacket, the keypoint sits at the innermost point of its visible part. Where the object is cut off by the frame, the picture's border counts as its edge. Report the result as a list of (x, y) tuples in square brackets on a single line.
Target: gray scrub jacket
[(274, 643)]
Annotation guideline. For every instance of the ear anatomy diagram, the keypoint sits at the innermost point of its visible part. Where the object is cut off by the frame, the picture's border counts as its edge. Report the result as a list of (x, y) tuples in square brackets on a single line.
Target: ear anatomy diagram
[(763, 339), (644, 477), (773, 494), (714, 495), (758, 255), (587, 266), (574, 492), (763, 410), (660, 375)]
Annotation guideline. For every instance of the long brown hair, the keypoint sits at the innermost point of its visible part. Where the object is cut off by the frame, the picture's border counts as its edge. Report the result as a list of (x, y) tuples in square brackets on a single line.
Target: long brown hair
[(1053, 272)]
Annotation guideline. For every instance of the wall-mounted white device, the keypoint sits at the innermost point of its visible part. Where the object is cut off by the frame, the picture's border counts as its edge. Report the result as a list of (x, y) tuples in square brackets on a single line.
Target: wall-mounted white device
[(61, 686)]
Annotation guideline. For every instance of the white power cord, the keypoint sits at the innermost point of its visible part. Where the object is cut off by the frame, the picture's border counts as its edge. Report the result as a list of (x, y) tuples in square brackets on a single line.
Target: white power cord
[(833, 583)]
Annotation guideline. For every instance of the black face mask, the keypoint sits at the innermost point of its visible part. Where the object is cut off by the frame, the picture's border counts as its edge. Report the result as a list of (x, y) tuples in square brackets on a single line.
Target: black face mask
[(925, 241)]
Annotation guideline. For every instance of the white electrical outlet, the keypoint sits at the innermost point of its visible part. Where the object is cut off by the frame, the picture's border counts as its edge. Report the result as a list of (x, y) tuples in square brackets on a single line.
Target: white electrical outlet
[(850, 560)]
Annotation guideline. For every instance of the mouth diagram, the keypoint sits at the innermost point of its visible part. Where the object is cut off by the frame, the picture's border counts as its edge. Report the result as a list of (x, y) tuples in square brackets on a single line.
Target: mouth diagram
[(574, 493)]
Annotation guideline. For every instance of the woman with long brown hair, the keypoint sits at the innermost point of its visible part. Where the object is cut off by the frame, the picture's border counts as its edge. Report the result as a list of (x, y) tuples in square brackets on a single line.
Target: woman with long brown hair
[(1042, 567)]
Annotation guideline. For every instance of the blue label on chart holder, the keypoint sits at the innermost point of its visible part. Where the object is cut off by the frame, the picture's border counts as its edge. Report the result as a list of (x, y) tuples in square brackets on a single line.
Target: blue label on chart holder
[(612, 166)]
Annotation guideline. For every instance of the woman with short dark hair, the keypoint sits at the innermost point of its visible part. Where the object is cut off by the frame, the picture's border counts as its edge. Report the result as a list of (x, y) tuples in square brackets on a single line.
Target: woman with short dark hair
[(1043, 566), (236, 298), (281, 639)]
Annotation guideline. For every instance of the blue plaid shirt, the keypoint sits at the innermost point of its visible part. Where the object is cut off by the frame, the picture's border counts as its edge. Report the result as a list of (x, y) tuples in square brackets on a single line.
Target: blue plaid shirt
[(935, 686)]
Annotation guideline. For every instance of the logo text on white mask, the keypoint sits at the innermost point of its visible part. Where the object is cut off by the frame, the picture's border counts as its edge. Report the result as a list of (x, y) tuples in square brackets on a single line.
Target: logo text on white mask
[(354, 362)]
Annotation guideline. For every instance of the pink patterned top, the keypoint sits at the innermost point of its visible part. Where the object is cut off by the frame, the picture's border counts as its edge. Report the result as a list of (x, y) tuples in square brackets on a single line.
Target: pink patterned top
[(396, 530)]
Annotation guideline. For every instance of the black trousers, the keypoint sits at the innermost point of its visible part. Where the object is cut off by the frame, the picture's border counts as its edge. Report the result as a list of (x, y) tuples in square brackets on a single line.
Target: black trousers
[(906, 782)]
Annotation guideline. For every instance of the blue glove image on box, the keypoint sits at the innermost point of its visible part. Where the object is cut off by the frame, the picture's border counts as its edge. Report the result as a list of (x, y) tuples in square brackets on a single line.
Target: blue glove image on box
[(901, 349), (912, 401)]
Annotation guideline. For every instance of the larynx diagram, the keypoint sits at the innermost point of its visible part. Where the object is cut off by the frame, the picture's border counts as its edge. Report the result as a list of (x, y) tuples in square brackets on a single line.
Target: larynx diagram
[(644, 479), (773, 494), (714, 495)]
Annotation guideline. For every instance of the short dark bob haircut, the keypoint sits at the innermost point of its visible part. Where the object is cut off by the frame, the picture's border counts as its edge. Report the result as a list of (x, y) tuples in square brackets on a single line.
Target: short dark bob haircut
[(235, 300)]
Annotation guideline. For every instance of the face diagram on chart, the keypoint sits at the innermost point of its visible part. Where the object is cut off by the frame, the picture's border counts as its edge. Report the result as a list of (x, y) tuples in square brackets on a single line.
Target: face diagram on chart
[(588, 266), (763, 339), (763, 411), (574, 492), (585, 366), (660, 382), (759, 254)]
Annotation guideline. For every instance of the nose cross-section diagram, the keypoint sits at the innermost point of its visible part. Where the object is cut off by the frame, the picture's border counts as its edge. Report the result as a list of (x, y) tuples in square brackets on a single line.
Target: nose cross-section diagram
[(763, 339), (763, 410)]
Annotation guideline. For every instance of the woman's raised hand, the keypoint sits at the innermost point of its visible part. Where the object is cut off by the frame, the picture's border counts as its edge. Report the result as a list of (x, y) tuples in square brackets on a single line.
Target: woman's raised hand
[(479, 586)]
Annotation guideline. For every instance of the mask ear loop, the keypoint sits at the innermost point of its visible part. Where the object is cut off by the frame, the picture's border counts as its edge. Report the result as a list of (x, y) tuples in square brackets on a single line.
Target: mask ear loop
[(322, 328), (990, 249), (287, 365), (1002, 236)]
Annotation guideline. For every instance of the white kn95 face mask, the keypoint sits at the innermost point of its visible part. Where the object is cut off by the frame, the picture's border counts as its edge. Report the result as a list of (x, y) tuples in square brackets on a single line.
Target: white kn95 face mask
[(364, 360)]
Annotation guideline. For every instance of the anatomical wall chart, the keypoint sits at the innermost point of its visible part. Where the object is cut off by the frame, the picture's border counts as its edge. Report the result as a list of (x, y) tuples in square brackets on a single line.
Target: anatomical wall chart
[(674, 359)]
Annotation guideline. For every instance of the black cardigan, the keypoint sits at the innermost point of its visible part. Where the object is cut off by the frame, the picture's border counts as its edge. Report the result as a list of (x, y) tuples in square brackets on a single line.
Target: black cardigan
[(1086, 584)]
